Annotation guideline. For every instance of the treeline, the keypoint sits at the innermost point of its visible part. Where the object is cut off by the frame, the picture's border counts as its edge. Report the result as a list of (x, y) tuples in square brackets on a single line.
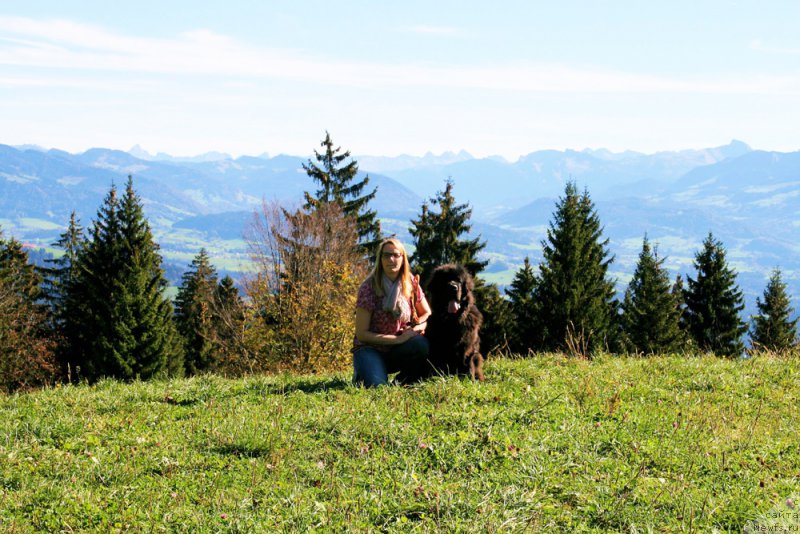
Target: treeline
[(100, 309)]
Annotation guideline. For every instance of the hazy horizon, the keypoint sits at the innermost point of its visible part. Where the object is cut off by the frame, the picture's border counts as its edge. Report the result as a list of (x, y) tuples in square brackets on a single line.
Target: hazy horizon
[(246, 78)]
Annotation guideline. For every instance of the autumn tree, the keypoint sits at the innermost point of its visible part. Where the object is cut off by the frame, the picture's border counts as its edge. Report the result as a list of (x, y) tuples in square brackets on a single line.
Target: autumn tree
[(303, 294), (27, 357)]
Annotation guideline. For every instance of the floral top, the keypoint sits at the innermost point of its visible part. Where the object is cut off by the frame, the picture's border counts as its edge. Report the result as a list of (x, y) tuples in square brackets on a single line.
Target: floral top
[(381, 322)]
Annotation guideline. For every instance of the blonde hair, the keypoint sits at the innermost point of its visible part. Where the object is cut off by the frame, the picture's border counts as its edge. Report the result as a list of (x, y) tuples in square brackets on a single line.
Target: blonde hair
[(376, 276)]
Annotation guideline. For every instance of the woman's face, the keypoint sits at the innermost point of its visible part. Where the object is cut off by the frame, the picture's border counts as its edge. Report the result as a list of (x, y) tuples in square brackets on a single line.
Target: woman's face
[(391, 260)]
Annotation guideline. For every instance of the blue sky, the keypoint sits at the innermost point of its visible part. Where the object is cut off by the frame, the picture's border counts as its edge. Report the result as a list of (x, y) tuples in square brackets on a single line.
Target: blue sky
[(386, 78)]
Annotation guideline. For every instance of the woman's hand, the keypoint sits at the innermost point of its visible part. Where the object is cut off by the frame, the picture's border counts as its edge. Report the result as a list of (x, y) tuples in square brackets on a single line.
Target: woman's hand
[(406, 334), (419, 327)]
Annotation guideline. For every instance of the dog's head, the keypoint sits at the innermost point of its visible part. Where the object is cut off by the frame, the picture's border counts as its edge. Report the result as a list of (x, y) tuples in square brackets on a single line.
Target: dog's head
[(450, 289)]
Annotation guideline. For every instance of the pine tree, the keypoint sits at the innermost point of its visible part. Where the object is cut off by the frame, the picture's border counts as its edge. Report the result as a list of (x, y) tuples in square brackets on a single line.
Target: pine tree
[(337, 180), (575, 296), (195, 313), (650, 314), (772, 329), (524, 332), (122, 320), (437, 236), (714, 303)]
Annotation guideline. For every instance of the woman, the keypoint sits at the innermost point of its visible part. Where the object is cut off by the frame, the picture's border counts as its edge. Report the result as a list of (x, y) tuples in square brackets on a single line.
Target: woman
[(391, 312)]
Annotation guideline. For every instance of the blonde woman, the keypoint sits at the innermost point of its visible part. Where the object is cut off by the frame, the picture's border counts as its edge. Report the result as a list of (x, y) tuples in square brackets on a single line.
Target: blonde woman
[(391, 313)]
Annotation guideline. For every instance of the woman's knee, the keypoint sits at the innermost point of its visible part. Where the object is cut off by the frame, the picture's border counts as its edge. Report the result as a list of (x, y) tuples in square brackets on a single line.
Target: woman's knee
[(419, 345), (369, 368)]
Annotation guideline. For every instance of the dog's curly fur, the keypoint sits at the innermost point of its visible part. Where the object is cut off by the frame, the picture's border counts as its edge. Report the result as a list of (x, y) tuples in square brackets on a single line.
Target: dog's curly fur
[(454, 325)]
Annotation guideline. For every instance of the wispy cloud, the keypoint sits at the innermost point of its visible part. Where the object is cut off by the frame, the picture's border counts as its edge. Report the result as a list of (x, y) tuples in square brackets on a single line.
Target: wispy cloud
[(425, 29), (69, 46), (756, 44)]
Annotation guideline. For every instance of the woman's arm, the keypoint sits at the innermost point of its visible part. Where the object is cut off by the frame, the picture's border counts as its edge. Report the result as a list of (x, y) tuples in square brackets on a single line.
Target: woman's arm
[(423, 312), (363, 334)]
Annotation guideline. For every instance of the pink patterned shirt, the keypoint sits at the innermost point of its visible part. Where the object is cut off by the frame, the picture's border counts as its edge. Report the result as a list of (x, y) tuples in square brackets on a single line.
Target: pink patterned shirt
[(381, 322)]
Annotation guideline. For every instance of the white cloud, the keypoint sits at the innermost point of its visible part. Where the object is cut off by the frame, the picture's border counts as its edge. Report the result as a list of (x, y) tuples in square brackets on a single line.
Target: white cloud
[(66, 45)]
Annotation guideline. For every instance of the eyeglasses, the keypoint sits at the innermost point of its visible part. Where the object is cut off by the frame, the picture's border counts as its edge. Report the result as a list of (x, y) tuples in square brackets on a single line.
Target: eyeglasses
[(391, 255)]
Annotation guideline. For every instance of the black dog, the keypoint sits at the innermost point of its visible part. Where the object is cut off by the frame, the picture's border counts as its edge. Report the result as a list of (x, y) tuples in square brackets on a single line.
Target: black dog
[(454, 325)]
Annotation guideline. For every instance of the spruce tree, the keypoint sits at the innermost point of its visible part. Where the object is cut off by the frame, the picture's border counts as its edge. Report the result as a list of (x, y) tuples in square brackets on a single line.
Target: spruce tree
[(650, 314), (714, 303), (195, 312), (438, 240), (89, 298), (59, 278), (575, 295), (498, 319), (524, 332), (337, 183), (63, 272), (123, 321), (437, 236), (772, 329)]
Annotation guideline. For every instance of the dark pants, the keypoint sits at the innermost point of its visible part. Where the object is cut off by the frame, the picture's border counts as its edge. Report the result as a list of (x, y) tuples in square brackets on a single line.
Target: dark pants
[(371, 367)]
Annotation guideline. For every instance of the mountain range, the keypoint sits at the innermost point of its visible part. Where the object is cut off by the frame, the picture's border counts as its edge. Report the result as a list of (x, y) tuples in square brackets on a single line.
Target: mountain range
[(747, 198)]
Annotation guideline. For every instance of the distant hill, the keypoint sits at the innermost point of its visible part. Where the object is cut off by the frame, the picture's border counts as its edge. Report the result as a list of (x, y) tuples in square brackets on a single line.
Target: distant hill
[(747, 198)]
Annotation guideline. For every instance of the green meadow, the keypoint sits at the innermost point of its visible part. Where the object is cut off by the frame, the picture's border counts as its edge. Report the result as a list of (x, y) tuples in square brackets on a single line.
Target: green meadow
[(547, 443)]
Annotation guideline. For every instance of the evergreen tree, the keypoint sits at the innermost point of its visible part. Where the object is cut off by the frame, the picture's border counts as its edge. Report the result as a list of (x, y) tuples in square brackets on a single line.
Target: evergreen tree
[(437, 236), (714, 302), (498, 320), (575, 296), (89, 298), (122, 320), (63, 272), (438, 240), (195, 313), (524, 332), (650, 314), (58, 280), (337, 180), (772, 329)]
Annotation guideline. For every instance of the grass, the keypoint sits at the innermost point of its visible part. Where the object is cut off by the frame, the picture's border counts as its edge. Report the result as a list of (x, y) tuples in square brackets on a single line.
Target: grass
[(546, 444)]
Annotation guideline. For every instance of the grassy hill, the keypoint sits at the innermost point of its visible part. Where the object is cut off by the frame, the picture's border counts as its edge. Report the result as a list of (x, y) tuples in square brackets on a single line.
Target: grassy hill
[(546, 444)]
